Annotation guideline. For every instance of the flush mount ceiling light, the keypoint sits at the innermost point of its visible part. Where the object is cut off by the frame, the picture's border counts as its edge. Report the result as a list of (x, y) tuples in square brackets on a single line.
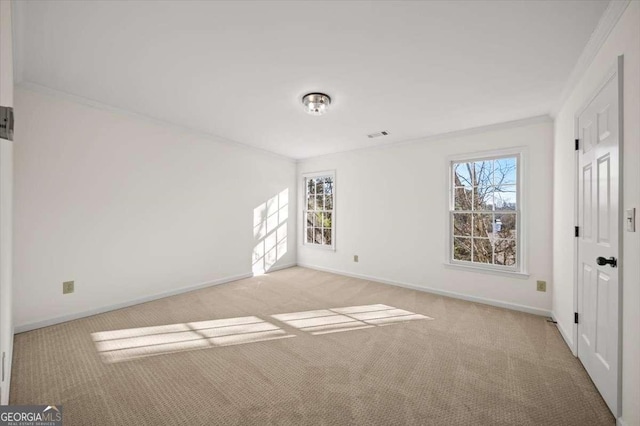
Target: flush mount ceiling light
[(316, 103)]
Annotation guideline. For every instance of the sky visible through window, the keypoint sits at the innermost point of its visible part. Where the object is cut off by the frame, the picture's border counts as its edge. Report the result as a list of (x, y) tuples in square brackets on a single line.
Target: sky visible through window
[(485, 211)]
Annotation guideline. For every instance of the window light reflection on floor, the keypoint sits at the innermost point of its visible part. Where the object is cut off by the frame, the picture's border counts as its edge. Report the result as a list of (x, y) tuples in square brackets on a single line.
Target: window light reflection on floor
[(127, 344), (345, 319), (132, 343)]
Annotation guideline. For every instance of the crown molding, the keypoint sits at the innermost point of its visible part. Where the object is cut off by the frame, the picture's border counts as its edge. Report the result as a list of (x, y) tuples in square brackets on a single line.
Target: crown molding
[(607, 23), (38, 88), (442, 136)]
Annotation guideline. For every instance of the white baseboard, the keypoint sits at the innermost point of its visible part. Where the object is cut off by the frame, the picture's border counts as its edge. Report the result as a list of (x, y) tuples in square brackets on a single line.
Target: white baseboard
[(492, 302), (279, 267), (64, 318), (565, 335), (620, 422)]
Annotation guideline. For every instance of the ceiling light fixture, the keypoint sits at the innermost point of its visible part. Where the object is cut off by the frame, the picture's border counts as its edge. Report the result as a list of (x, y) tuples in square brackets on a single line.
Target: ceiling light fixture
[(316, 103)]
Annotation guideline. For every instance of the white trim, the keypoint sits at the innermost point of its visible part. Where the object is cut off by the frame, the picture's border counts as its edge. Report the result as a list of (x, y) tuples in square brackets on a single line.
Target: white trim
[(521, 152), (323, 173), (621, 226), (476, 268), (57, 320), (316, 246), (486, 154), (64, 318), (620, 422), (485, 301), (611, 74), (304, 176), (279, 267), (576, 241), (440, 136), (606, 24), (565, 335), (37, 88), (615, 72), (7, 98)]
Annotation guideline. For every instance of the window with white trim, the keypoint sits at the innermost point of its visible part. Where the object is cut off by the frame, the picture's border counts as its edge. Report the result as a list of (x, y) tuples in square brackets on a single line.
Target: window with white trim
[(484, 213), (319, 209)]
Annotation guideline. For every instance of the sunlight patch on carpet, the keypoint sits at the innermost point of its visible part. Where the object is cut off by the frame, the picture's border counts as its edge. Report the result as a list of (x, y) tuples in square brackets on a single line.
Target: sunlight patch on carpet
[(132, 343), (335, 320)]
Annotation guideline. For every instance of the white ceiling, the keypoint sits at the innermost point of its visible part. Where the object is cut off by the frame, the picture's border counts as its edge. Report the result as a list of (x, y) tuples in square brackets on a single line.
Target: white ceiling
[(238, 69)]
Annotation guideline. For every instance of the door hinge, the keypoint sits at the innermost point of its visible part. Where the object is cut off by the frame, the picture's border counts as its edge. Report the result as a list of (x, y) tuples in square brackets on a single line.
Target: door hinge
[(575, 318), (6, 123), (576, 231), (577, 144)]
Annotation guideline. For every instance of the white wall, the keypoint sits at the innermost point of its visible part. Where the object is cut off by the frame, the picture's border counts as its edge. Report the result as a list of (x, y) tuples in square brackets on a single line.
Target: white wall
[(392, 211), (623, 40), (6, 203), (129, 208)]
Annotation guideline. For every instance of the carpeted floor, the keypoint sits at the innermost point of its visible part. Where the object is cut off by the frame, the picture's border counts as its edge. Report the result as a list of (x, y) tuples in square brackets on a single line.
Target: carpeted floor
[(302, 347)]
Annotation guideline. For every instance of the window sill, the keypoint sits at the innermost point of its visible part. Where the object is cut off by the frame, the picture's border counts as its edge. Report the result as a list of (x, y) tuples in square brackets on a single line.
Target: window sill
[(490, 271), (319, 247)]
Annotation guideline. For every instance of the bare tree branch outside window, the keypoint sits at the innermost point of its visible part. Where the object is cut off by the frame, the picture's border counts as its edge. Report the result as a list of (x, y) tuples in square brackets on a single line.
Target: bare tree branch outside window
[(319, 210), (485, 211)]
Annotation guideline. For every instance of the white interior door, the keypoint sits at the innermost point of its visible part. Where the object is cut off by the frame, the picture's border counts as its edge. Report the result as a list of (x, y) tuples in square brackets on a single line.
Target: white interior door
[(6, 205), (598, 219)]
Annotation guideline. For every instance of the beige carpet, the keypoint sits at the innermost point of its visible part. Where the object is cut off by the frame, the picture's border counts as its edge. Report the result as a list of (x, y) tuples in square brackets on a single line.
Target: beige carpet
[(394, 356)]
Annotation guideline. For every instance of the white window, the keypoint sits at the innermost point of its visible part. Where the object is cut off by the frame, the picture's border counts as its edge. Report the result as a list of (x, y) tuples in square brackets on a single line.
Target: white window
[(485, 212), (319, 219)]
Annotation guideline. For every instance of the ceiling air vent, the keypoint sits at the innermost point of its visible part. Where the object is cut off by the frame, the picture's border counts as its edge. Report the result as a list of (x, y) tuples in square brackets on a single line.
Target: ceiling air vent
[(377, 135)]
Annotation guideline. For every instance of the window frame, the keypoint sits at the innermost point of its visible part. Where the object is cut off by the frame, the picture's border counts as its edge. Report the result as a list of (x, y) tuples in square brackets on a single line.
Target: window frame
[(520, 268), (305, 176)]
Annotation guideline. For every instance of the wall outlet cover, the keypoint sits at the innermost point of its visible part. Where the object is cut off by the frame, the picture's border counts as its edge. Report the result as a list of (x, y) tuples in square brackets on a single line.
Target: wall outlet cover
[(355, 258), (68, 287), (541, 285)]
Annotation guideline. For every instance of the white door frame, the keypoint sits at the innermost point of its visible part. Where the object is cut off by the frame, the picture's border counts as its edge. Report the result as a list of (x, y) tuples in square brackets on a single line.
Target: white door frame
[(6, 205), (616, 70)]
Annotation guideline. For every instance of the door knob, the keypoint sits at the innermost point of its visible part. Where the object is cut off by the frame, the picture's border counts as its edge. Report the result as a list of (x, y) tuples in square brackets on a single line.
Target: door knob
[(610, 261)]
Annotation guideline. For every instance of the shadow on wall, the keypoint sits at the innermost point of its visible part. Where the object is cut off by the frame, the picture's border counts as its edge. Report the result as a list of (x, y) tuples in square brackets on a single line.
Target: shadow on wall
[(270, 231)]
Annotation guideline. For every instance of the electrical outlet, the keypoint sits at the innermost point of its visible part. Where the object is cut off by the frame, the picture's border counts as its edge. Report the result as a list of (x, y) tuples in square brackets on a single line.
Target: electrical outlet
[(68, 287), (355, 258), (541, 286)]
